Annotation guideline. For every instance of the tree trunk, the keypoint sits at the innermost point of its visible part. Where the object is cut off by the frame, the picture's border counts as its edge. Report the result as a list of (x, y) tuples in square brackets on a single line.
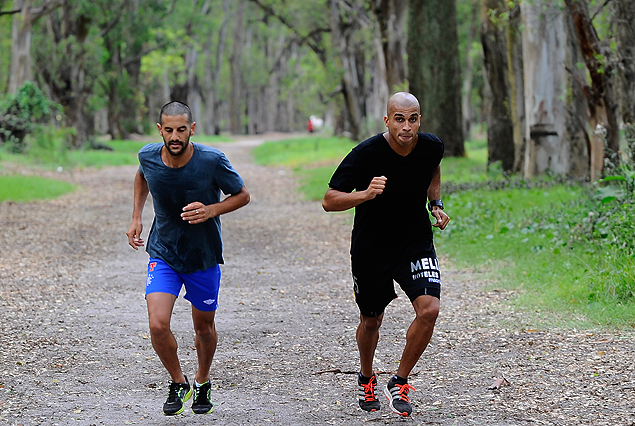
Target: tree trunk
[(516, 85), (391, 17), (235, 65), (600, 98), (21, 39), (500, 131), (434, 73), (625, 37), (468, 75), (555, 109), (342, 32), (211, 78)]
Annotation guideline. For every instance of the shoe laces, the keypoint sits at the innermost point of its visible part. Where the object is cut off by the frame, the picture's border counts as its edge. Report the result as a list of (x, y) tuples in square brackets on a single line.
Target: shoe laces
[(202, 393), (403, 391), (175, 391), (369, 390)]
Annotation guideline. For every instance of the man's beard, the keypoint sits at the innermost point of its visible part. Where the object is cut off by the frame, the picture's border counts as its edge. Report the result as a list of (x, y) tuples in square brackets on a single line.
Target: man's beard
[(178, 153)]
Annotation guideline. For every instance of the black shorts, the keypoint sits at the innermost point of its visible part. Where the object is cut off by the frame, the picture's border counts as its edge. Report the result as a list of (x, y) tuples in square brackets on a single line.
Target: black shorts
[(417, 275)]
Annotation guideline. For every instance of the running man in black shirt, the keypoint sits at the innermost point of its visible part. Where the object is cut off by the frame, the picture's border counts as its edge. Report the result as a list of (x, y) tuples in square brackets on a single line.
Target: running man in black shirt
[(389, 179)]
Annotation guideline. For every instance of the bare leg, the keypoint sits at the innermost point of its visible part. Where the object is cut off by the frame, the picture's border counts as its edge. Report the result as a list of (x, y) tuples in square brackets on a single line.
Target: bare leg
[(367, 338), (205, 341), (160, 307), (419, 333)]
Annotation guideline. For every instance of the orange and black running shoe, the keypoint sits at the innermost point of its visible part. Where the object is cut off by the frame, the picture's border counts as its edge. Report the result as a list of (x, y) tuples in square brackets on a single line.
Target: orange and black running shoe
[(397, 395), (368, 394)]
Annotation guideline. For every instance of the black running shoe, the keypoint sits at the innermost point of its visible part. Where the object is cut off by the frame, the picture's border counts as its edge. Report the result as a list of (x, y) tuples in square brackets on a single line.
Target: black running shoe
[(179, 393), (397, 395), (368, 394), (202, 399)]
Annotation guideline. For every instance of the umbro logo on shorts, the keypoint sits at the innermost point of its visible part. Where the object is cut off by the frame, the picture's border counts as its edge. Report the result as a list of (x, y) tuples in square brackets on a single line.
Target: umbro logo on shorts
[(209, 301)]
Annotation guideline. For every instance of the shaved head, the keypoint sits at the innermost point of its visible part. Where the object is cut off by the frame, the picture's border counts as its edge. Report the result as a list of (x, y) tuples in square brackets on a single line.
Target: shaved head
[(402, 100)]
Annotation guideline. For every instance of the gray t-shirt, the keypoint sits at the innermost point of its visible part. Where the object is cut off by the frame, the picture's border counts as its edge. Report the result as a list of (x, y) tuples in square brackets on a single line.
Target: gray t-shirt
[(185, 247)]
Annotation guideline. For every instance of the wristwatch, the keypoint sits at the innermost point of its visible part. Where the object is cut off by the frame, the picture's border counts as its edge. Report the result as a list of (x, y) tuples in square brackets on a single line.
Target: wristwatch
[(437, 203)]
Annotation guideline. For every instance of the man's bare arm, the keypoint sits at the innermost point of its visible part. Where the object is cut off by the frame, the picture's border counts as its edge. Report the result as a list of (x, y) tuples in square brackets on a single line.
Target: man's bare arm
[(141, 191), (337, 201)]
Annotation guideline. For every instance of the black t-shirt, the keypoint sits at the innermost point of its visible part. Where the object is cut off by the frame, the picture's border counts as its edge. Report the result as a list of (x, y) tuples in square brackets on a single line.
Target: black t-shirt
[(396, 221)]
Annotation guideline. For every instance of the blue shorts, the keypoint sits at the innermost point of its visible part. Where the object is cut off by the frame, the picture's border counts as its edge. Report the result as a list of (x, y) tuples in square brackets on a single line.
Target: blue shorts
[(201, 287)]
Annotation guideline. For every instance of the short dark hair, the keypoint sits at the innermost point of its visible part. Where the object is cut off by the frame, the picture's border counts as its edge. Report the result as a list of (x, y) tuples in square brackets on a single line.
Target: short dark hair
[(174, 108)]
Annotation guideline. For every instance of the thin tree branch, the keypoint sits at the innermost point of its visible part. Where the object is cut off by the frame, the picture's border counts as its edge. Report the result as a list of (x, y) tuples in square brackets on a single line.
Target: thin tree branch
[(600, 9), (113, 22), (10, 12), (308, 39)]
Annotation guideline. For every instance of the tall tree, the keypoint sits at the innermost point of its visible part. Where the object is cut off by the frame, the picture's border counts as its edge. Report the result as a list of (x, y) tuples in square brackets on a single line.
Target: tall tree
[(599, 94), (210, 82), (516, 82), (625, 43), (343, 38), (26, 14), (473, 19), (556, 113), (391, 17), (126, 44), (434, 75), (500, 130), (236, 107), (69, 59)]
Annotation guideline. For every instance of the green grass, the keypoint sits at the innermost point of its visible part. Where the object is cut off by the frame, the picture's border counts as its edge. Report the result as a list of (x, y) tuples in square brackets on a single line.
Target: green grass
[(46, 150), (522, 239), (308, 152), (313, 158), (27, 188)]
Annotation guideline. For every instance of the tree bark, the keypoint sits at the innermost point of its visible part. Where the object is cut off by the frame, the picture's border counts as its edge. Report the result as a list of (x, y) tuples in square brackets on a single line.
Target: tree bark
[(625, 38), (235, 64), (556, 114), (468, 74), (342, 32), (434, 73), (211, 76), (516, 85), (391, 19), (500, 130), (600, 98), (21, 70)]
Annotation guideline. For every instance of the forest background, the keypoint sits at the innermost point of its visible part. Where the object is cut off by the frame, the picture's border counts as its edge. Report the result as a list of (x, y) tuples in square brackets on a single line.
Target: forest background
[(549, 85)]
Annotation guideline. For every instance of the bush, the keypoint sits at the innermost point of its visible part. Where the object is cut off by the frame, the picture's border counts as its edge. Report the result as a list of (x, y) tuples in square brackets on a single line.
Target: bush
[(22, 114)]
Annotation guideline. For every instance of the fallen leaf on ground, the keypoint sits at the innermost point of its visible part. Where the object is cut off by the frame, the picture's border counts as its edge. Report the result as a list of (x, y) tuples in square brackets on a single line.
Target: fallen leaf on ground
[(498, 383)]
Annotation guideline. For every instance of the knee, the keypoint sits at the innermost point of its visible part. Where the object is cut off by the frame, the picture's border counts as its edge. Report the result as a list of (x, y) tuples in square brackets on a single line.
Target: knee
[(428, 314), (159, 327), (370, 324), (205, 331)]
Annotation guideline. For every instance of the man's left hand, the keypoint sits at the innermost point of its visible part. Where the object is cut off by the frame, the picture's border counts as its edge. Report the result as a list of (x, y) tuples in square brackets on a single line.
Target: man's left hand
[(442, 218), (195, 213)]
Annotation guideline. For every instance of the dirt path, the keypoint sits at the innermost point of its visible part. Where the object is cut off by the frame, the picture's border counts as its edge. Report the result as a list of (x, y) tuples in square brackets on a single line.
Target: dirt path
[(75, 346)]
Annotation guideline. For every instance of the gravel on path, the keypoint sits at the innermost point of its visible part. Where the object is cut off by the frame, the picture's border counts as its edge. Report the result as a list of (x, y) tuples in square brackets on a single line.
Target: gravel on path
[(76, 347)]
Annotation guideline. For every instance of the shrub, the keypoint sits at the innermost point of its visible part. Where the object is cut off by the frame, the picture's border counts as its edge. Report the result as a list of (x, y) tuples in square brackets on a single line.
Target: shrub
[(23, 113)]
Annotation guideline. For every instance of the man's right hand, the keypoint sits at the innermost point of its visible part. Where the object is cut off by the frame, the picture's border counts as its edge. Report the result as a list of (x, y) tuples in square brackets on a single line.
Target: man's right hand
[(376, 187), (134, 234)]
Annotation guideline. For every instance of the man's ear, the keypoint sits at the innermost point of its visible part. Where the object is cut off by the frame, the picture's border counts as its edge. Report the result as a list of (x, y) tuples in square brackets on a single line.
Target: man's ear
[(159, 127), (192, 129)]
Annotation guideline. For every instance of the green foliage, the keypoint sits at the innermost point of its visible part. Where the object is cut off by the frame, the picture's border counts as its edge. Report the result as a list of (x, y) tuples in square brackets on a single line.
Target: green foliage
[(18, 188), (23, 113)]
